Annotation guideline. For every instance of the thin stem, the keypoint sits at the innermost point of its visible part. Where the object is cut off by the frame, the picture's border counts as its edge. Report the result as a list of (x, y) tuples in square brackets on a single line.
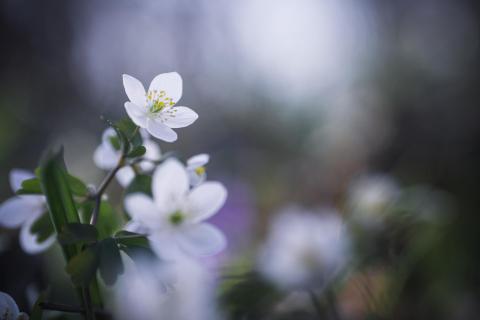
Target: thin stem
[(316, 304), (332, 301), (103, 186), (87, 301)]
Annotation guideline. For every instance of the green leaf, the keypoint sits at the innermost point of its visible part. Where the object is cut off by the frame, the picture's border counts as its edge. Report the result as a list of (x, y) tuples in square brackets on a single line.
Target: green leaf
[(42, 228), (30, 186), (141, 183), (137, 152), (83, 266), (77, 233), (61, 207), (124, 142), (109, 221), (77, 186), (128, 238), (134, 245), (37, 310), (111, 265), (131, 131)]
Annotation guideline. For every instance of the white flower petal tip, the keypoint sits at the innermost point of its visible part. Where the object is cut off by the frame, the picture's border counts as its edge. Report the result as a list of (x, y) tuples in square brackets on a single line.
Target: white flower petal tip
[(134, 90), (137, 114), (198, 160), (206, 200), (161, 131), (202, 240)]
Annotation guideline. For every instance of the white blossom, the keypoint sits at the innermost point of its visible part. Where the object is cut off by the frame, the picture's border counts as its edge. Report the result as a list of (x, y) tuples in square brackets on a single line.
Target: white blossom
[(22, 211), (196, 168), (180, 290), (155, 109), (9, 309), (175, 217), (106, 156), (369, 199), (304, 249)]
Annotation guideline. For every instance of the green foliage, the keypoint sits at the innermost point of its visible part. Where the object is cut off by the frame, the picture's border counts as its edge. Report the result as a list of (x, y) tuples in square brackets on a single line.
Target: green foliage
[(55, 186), (30, 186), (77, 186), (131, 132), (134, 245), (78, 233), (249, 298), (109, 221), (141, 183), (37, 310), (42, 227), (83, 266), (137, 152), (110, 261)]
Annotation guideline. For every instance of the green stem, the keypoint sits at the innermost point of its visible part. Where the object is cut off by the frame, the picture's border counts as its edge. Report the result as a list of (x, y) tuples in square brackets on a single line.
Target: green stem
[(87, 302), (317, 306)]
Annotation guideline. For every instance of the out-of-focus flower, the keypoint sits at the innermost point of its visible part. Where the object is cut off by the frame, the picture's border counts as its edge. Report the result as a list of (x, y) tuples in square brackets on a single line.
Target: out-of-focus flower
[(370, 197), (22, 211), (155, 109), (106, 156), (197, 172), (9, 309), (175, 217), (304, 249), (181, 290)]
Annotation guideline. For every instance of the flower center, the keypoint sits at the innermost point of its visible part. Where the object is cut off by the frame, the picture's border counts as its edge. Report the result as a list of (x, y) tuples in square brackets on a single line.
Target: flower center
[(200, 170), (158, 100), (177, 218)]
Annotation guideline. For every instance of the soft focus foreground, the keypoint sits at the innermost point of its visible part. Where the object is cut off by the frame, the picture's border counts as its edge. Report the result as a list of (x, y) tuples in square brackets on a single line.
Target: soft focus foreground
[(343, 135)]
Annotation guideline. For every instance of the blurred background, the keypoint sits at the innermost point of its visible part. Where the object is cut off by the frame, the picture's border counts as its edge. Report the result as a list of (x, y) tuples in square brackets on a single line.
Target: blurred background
[(296, 99)]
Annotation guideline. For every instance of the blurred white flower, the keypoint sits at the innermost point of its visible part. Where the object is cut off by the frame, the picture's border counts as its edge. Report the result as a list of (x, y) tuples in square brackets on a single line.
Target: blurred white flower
[(9, 309), (196, 169), (304, 249), (22, 211), (155, 109), (180, 290), (175, 217), (106, 156), (369, 199)]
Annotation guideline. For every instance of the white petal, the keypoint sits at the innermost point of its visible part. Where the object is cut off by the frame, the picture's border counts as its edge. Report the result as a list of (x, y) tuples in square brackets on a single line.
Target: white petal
[(170, 82), (198, 160), (28, 240), (105, 157), (161, 131), (152, 153), (201, 239), (17, 176), (125, 176), (8, 306), (169, 184), (178, 117), (137, 114), (141, 208), (107, 135), (17, 210), (195, 178), (134, 90), (205, 200)]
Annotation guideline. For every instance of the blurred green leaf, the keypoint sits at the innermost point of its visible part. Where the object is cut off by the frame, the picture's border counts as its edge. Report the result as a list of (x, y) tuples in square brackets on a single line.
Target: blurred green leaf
[(77, 186), (83, 266), (109, 221), (42, 227), (37, 310), (141, 183), (77, 233), (123, 138), (54, 182), (128, 238), (110, 261), (137, 152), (30, 186)]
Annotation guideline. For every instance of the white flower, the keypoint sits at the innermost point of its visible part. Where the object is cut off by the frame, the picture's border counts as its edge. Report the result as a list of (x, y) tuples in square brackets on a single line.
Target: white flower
[(370, 197), (196, 169), (9, 309), (175, 216), (22, 211), (106, 156), (304, 249), (155, 109), (180, 290)]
